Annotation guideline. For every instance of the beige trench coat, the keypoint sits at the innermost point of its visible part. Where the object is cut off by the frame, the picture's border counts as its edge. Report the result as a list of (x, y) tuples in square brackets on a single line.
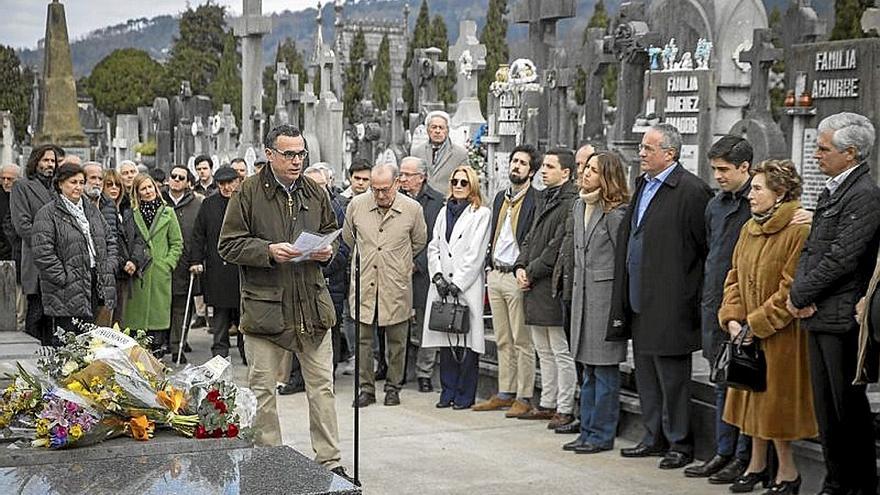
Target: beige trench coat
[(388, 243)]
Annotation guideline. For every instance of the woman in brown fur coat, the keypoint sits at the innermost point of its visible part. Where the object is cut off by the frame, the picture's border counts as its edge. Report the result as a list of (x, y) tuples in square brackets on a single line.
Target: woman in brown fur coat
[(757, 286)]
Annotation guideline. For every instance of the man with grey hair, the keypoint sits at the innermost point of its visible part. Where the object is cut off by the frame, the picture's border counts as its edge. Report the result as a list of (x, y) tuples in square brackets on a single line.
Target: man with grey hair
[(833, 272), (413, 181), (388, 230), (440, 154), (661, 245), (10, 243)]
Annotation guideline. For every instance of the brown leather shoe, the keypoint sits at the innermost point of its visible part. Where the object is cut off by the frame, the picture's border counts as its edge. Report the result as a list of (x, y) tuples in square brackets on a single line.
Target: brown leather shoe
[(518, 409), (559, 420), (494, 403), (539, 414)]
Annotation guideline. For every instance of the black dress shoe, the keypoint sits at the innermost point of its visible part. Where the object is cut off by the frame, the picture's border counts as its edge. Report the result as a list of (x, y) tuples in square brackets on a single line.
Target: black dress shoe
[(642, 450), (573, 427), (733, 470), (793, 486), (425, 385), (186, 347), (443, 404), (392, 398), (589, 448), (340, 471), (675, 460), (747, 482), (708, 468), (364, 399), (381, 372), (573, 445), (459, 407), (291, 388)]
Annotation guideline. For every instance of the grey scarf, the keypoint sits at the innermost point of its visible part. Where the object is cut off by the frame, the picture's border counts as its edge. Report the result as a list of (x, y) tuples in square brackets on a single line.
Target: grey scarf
[(79, 214)]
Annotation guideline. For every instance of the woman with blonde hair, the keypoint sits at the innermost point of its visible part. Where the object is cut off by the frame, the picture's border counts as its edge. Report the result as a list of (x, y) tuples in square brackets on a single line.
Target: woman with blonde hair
[(764, 263), (456, 261), (149, 307)]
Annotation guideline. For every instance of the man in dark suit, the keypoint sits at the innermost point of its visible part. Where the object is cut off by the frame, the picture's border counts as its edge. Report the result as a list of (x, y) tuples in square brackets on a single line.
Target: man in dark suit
[(659, 261), (512, 213), (833, 273), (413, 182)]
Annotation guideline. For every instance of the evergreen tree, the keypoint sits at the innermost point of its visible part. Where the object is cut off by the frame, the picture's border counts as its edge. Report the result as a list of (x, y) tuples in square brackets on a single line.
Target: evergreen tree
[(354, 75), (196, 53), (288, 53), (440, 39), (421, 38), (494, 36), (226, 86), (125, 80), (848, 18), (382, 75), (15, 90), (599, 18)]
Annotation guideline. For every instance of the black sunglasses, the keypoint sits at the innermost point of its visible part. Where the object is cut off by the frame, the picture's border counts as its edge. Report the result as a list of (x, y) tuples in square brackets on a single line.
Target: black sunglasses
[(178, 177), (459, 182)]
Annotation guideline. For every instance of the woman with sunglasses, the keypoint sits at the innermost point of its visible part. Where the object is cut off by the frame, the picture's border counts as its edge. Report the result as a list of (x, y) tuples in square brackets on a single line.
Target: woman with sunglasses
[(149, 307), (456, 261)]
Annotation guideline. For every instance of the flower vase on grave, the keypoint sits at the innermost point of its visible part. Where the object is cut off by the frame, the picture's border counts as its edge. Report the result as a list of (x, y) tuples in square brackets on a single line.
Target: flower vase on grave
[(789, 99), (805, 100)]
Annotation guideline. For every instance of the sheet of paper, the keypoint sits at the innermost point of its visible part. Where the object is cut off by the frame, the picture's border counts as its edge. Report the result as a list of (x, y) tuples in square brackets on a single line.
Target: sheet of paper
[(307, 243)]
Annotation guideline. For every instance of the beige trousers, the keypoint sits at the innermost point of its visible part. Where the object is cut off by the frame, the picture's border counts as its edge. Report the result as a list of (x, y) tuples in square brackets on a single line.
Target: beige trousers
[(264, 359), (558, 373), (516, 353)]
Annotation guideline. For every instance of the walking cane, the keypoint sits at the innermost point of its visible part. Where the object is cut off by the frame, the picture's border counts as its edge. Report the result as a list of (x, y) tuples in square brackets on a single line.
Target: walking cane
[(357, 340), (184, 327)]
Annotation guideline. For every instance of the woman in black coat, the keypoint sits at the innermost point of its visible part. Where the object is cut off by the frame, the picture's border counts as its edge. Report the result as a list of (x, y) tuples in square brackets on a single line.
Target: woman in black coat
[(73, 253)]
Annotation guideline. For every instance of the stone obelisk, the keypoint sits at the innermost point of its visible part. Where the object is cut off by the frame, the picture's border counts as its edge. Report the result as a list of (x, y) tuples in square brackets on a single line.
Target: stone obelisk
[(59, 115)]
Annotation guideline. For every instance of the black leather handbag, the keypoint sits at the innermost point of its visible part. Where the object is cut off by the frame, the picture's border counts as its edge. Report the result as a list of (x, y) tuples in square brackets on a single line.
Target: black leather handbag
[(449, 317), (739, 365)]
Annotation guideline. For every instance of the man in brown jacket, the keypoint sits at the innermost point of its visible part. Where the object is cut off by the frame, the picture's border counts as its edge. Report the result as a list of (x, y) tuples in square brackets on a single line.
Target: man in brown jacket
[(285, 305), (388, 229)]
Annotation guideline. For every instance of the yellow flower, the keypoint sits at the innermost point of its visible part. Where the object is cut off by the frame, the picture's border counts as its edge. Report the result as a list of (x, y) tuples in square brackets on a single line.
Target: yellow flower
[(75, 386), (141, 428), (42, 427), (76, 432), (173, 399)]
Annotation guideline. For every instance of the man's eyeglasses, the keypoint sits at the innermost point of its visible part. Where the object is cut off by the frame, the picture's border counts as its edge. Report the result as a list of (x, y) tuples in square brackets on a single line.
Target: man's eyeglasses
[(178, 177), (383, 191), (290, 154), (459, 182), (409, 175)]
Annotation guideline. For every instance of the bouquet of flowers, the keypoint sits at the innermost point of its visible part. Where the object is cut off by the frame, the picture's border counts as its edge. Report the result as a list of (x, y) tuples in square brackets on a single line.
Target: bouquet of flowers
[(66, 419), (217, 416), (20, 401)]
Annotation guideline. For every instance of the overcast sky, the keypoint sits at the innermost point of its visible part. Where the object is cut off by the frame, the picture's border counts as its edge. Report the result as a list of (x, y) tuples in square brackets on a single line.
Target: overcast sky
[(24, 21)]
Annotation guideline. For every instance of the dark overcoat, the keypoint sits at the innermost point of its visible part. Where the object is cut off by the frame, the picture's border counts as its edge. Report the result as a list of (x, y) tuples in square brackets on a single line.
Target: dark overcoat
[(220, 278), (432, 202), (539, 253), (672, 268)]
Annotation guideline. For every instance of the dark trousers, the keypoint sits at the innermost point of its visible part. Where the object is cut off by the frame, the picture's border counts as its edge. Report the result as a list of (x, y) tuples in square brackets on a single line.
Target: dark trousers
[(220, 323), (843, 414), (37, 324), (728, 439), (600, 404), (459, 373), (663, 384)]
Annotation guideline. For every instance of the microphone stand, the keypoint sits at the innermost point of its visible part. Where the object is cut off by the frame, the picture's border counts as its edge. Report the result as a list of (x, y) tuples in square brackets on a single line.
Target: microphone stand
[(357, 342)]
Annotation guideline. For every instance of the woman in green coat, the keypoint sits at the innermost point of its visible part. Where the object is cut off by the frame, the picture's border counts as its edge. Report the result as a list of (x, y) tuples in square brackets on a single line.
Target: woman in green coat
[(149, 306)]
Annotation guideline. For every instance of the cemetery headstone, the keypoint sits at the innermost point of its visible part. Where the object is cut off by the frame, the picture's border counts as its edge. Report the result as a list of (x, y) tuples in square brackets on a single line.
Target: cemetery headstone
[(7, 138), (127, 137), (251, 27), (160, 120), (598, 62), (423, 75), (469, 57)]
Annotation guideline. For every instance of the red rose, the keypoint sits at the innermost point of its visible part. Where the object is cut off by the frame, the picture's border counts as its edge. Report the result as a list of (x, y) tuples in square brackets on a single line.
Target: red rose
[(213, 395), (217, 433), (232, 431), (220, 406), (201, 432)]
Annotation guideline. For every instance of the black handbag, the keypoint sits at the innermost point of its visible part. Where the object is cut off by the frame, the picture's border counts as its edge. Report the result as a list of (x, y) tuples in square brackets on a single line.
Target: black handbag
[(449, 317), (739, 365)]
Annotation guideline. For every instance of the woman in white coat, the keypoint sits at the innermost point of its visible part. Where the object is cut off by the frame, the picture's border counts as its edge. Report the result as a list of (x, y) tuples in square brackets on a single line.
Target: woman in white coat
[(456, 261)]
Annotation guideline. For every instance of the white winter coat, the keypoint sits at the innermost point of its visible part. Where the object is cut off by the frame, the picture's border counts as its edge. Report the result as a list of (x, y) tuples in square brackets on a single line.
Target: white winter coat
[(462, 262)]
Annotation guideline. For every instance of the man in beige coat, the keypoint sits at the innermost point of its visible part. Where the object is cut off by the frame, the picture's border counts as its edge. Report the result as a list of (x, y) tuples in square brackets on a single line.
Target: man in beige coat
[(388, 229)]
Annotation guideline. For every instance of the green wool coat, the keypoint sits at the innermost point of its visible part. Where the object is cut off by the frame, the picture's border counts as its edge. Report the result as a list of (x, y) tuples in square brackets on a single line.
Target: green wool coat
[(149, 307)]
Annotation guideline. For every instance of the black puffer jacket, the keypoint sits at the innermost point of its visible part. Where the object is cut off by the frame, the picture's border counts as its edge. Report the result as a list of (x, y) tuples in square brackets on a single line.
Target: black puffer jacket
[(539, 253), (840, 254), (61, 254)]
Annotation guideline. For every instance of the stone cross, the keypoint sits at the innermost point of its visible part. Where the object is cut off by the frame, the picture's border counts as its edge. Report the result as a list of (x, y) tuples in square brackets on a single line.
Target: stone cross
[(871, 19), (801, 24), (594, 107), (542, 16), (469, 56), (251, 27), (160, 120), (761, 57)]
